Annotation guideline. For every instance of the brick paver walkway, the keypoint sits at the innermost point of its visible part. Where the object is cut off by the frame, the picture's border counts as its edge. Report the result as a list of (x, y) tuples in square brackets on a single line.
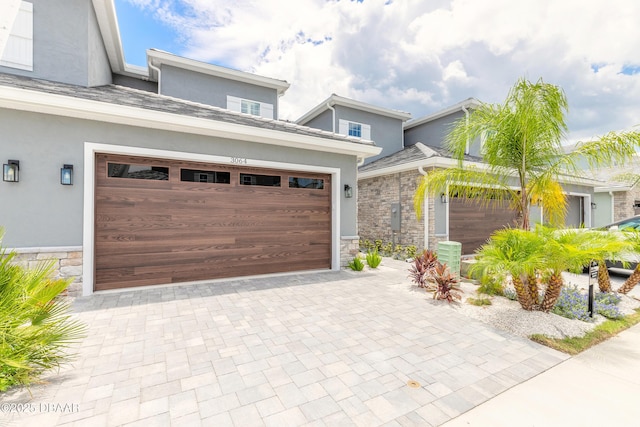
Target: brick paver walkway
[(326, 349)]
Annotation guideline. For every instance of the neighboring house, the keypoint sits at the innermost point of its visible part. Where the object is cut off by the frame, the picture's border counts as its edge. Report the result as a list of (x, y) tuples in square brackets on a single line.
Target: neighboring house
[(176, 172), (386, 187), (360, 121)]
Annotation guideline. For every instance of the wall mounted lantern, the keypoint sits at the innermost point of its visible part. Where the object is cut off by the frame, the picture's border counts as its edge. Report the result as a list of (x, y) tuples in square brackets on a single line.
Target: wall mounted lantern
[(443, 198), (593, 205), (348, 191), (66, 175), (11, 171)]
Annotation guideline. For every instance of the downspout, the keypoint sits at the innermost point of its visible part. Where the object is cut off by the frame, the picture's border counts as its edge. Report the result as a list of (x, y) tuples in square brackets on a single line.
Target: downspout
[(153, 67), (613, 211), (333, 117), (425, 208), (466, 113)]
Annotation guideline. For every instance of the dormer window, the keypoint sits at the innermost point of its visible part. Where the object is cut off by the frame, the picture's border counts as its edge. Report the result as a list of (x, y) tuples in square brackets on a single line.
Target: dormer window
[(355, 129), (248, 106)]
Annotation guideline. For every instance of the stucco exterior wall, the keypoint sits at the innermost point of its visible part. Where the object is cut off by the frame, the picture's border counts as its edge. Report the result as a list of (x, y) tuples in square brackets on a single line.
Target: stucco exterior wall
[(66, 53), (47, 213)]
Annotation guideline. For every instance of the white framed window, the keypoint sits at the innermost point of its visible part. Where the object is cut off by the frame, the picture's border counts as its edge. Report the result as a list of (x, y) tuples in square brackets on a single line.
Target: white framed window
[(18, 52), (248, 106), (355, 129)]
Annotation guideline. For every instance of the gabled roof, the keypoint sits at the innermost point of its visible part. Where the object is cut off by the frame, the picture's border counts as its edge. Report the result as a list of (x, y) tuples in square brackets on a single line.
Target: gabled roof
[(108, 23), (157, 57), (411, 157), (467, 103), (350, 103), (124, 105)]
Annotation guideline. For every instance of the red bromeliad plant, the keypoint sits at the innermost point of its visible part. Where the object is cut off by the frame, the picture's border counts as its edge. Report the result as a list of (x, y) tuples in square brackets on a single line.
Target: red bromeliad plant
[(447, 284), (421, 271)]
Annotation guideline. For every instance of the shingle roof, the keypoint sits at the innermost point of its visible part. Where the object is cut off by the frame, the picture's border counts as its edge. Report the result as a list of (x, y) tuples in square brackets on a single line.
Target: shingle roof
[(412, 153), (120, 95)]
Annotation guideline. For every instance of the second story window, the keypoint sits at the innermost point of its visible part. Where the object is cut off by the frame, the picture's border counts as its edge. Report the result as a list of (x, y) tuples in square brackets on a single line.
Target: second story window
[(250, 107), (355, 129)]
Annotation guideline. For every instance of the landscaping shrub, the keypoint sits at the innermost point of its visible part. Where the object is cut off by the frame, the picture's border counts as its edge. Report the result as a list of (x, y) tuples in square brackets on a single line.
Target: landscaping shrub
[(573, 304), (373, 259), (35, 327), (356, 264)]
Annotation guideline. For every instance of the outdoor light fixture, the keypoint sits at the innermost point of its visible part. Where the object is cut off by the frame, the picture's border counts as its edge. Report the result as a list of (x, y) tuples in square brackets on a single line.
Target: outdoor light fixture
[(593, 205), (66, 175), (348, 191), (443, 198), (11, 171)]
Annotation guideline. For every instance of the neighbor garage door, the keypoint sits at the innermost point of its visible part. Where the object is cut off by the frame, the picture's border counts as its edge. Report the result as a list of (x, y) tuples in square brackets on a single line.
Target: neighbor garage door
[(165, 221), (472, 224)]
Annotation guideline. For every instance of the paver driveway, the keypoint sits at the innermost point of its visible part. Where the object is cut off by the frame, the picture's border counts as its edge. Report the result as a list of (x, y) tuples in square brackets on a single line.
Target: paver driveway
[(331, 348)]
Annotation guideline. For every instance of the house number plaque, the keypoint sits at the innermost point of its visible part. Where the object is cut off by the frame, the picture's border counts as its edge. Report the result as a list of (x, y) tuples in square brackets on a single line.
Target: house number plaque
[(239, 160)]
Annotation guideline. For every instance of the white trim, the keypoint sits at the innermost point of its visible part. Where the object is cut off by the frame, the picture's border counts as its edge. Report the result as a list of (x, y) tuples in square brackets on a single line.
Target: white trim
[(350, 103), (40, 102), (8, 12), (159, 57), (90, 150), (586, 208)]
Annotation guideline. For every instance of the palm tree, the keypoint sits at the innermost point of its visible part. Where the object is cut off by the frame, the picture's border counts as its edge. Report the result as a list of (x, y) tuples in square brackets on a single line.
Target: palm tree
[(634, 238), (544, 252), (523, 157)]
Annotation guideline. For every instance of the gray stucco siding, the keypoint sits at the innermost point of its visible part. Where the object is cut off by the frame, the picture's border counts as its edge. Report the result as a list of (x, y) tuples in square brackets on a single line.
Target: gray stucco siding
[(386, 132), (211, 90), (432, 133), (64, 52), (45, 213), (323, 121)]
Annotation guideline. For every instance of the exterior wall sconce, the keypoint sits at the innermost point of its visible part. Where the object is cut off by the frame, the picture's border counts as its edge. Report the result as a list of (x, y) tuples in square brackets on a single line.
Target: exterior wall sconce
[(443, 198), (593, 205), (66, 175), (11, 171), (348, 191)]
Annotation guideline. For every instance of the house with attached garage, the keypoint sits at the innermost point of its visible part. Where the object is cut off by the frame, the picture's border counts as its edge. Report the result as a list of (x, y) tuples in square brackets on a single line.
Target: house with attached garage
[(176, 172), (386, 187)]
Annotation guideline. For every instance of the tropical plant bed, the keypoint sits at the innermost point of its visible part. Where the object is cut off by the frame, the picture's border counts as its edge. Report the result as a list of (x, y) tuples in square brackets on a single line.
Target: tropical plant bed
[(509, 316)]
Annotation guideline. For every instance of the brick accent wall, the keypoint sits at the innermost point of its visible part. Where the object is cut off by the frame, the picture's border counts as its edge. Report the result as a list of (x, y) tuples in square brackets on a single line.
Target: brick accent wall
[(623, 203), (66, 265), (375, 196)]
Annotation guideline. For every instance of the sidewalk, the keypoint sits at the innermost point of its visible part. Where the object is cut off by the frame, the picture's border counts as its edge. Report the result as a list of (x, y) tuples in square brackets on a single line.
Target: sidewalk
[(599, 387)]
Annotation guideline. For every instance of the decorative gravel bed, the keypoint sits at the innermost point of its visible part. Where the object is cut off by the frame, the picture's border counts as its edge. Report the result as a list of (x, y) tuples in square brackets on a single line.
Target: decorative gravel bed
[(507, 315)]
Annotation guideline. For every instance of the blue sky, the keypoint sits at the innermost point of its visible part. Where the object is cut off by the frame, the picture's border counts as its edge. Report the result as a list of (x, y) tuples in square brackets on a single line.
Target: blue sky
[(418, 56)]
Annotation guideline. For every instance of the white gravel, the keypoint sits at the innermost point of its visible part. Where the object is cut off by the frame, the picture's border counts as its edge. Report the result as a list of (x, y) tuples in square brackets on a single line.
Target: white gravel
[(507, 315)]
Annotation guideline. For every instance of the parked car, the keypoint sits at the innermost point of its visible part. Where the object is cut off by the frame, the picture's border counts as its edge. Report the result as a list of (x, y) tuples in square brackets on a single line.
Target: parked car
[(628, 224)]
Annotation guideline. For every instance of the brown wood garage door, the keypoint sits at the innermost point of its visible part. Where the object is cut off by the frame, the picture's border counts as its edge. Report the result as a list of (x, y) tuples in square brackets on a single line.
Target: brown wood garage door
[(166, 221), (472, 224)]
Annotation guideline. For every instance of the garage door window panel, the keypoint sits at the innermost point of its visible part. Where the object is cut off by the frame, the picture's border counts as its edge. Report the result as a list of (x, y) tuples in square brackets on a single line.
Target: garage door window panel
[(133, 171), (205, 176), (308, 183), (260, 180)]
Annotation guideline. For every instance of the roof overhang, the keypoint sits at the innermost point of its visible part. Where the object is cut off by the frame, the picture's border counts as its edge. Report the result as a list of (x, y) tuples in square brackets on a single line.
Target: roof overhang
[(158, 57), (446, 162), (350, 103), (60, 105)]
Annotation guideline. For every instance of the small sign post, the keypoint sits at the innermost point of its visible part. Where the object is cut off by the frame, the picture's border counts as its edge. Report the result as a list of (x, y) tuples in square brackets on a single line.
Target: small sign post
[(593, 276)]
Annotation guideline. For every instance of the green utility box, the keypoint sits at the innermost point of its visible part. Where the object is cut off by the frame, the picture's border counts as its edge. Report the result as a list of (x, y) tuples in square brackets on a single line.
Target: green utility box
[(449, 253)]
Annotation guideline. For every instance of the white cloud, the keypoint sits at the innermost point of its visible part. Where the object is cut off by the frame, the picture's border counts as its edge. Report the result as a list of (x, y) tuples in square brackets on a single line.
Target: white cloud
[(420, 56)]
